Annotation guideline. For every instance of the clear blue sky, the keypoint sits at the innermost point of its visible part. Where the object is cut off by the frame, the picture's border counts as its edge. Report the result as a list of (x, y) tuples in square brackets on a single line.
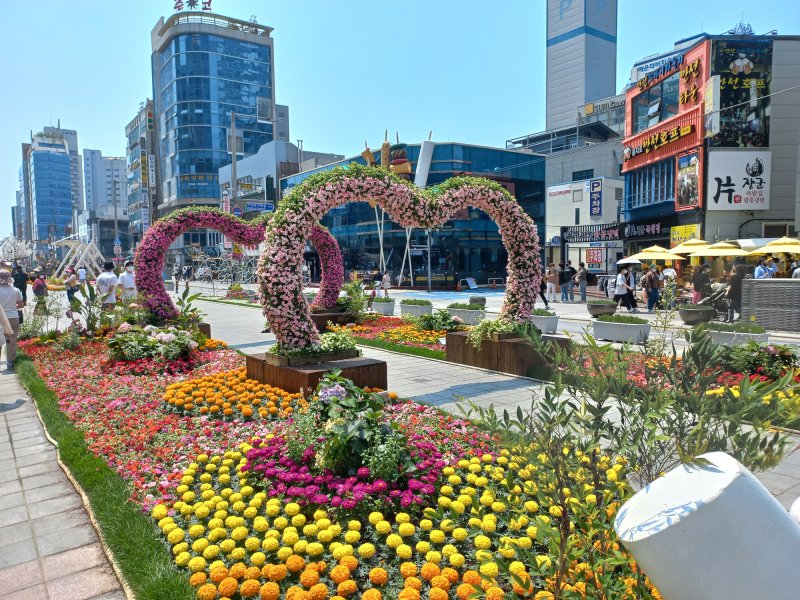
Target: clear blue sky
[(470, 71)]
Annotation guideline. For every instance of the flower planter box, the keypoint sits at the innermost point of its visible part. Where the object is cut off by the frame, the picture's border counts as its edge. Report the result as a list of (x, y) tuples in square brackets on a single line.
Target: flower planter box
[(621, 332), (510, 355), (733, 338), (415, 309), (693, 316), (470, 317), (545, 324), (384, 308), (601, 309), (364, 372), (496, 337), (296, 361), (321, 319)]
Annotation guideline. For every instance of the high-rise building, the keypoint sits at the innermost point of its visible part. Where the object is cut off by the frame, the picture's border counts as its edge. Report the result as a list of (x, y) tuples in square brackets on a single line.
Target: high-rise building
[(206, 67), (105, 216), (282, 123), (70, 137), (141, 159), (581, 56)]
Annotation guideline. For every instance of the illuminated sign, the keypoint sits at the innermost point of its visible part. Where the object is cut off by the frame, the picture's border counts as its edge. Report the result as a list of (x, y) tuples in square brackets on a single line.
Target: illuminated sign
[(657, 140)]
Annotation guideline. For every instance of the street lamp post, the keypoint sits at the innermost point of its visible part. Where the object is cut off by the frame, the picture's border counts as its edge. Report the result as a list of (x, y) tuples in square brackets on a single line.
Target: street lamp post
[(429, 259)]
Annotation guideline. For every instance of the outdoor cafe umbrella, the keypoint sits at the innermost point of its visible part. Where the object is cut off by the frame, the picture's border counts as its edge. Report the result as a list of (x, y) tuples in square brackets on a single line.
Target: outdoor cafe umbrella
[(689, 246), (784, 245), (628, 261), (721, 249), (656, 253)]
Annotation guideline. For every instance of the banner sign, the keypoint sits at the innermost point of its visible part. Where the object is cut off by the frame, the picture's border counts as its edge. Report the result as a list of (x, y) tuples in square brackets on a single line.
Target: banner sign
[(594, 256), (739, 179), (262, 206), (687, 183), (591, 233), (594, 189), (682, 233)]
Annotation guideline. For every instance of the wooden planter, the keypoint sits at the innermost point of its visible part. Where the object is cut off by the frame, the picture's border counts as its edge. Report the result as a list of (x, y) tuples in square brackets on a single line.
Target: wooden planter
[(470, 317), (364, 372), (321, 319), (205, 329), (621, 332), (296, 361), (601, 309), (514, 355), (734, 338), (383, 308), (693, 316), (415, 310), (546, 324)]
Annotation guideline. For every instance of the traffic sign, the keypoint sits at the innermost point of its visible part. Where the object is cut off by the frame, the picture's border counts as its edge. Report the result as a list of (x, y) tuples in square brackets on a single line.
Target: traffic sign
[(262, 206), (237, 212)]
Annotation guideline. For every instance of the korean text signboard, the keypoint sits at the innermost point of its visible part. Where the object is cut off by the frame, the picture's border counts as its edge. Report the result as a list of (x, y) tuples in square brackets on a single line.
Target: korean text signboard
[(688, 181), (594, 189), (739, 179), (591, 233), (594, 257)]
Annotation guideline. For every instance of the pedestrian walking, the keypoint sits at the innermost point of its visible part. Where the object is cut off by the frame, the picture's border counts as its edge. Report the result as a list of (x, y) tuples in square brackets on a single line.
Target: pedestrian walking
[(106, 286), (82, 275), (40, 292), (623, 291), (10, 304), (562, 282), (551, 276), (570, 273), (187, 275), (386, 283), (701, 283), (176, 275), (734, 293), (542, 292), (70, 284), (126, 283), (651, 287), (21, 278), (581, 278)]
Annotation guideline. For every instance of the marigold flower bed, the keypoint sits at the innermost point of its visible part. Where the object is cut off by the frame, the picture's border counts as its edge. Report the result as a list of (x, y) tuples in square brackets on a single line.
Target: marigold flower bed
[(397, 331)]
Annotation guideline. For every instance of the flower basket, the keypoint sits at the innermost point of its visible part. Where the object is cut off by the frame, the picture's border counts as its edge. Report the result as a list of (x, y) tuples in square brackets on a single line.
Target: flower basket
[(470, 317), (632, 333), (545, 324), (696, 313)]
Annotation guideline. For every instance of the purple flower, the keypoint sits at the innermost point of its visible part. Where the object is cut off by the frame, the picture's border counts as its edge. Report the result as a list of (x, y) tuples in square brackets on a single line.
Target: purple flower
[(363, 472)]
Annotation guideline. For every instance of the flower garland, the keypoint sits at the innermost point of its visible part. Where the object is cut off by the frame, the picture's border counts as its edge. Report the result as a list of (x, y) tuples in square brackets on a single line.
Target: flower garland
[(152, 251), (280, 263)]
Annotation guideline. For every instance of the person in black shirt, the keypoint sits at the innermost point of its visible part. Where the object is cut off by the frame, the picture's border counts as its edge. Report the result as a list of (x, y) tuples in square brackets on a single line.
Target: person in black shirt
[(734, 293), (701, 282), (21, 281)]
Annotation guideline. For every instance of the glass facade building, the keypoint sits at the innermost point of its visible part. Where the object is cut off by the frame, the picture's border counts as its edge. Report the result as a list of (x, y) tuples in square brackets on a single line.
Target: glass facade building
[(51, 196), (206, 67), (467, 246)]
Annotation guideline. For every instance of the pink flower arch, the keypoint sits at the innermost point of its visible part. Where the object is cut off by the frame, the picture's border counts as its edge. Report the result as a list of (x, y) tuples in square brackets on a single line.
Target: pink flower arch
[(152, 250), (281, 286)]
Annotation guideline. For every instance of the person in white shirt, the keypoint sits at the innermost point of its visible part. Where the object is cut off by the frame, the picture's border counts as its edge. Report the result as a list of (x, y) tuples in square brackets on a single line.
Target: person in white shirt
[(10, 304), (622, 291), (81, 275), (106, 286), (796, 273), (126, 283)]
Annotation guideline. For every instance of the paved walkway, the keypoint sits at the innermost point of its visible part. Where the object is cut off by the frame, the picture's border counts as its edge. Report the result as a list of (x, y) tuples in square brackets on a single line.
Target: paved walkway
[(440, 383), (48, 547)]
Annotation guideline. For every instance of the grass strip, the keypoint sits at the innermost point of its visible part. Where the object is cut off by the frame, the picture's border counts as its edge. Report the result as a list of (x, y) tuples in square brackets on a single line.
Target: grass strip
[(413, 350), (233, 302), (130, 534)]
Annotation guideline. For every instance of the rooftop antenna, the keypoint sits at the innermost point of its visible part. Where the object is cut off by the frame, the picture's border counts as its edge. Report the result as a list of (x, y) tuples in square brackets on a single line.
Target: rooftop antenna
[(430, 135), (397, 136)]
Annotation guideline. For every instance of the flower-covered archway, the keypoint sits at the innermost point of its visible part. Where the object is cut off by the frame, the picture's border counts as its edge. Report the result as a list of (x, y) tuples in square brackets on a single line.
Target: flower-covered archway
[(279, 268), (152, 250)]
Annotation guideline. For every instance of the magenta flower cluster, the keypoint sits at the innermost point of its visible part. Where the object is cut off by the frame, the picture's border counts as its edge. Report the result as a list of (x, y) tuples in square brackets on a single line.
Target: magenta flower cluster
[(281, 260), (152, 251)]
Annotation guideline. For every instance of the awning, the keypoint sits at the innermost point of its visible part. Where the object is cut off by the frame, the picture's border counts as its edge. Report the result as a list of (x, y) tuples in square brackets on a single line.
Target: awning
[(753, 243)]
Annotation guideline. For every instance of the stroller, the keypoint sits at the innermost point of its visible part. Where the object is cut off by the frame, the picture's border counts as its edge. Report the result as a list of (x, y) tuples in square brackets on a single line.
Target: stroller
[(717, 300)]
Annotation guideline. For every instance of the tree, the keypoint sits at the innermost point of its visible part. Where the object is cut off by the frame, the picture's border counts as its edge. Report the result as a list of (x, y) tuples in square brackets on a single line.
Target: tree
[(14, 250)]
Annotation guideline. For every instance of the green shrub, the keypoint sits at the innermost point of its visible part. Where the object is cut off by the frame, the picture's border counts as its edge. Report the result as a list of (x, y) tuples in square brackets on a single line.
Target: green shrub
[(603, 301), (543, 312), (463, 306), (696, 307), (734, 327), (627, 319), (416, 302), (382, 300), (485, 328), (772, 360)]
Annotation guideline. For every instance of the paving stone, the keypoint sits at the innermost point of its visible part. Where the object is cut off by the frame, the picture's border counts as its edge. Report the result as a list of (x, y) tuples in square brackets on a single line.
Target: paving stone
[(6, 457), (12, 500), (8, 475), (18, 436), (66, 539), (21, 446), (15, 533), (39, 469), (24, 426), (20, 576), (36, 450), (9, 487), (59, 522), (14, 514), (72, 561), (17, 553), (120, 595), (37, 592), (83, 585), (53, 505), (49, 491), (36, 458), (29, 483)]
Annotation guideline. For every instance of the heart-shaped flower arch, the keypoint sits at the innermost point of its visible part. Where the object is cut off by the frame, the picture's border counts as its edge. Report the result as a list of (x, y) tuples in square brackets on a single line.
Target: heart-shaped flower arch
[(279, 268), (150, 255)]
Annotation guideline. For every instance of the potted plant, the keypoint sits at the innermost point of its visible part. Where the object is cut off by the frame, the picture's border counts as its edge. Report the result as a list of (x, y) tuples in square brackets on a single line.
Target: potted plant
[(692, 314), (383, 306), (469, 313), (735, 334), (601, 306), (415, 307), (621, 328), (545, 320), (479, 300)]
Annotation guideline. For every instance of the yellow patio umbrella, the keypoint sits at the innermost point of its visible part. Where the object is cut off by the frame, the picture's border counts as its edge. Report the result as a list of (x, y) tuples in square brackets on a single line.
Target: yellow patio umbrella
[(656, 253), (690, 246), (720, 249), (784, 245)]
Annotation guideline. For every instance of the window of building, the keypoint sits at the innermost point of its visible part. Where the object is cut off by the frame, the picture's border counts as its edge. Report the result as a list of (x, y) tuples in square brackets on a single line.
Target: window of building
[(657, 104), (577, 216), (776, 230), (650, 185), (581, 175)]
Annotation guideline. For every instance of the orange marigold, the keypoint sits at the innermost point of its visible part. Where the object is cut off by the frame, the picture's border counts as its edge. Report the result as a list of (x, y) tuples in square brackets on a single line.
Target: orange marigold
[(429, 571), (414, 583), (252, 573), (309, 578), (319, 592), (378, 576), (408, 569), (207, 592), (372, 594), (293, 593), (237, 571), (441, 582), (472, 576), (339, 574), (295, 563), (494, 593), (347, 588), (198, 578), (351, 562), (451, 574), (408, 594), (437, 594), (250, 588), (270, 591), (524, 587), (276, 572), (464, 591), (228, 587), (218, 574)]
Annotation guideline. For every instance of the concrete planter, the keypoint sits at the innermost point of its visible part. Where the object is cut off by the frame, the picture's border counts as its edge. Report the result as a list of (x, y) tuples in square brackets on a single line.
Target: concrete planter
[(601, 309), (479, 300), (415, 310), (733, 338), (546, 324), (470, 317), (621, 332), (383, 308), (693, 316)]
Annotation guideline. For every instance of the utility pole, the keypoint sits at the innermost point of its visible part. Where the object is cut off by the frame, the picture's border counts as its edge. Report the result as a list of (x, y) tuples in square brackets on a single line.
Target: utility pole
[(116, 222)]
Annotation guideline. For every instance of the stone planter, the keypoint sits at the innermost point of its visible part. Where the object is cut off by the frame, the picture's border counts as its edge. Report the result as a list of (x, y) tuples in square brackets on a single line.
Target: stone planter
[(479, 300), (545, 324), (415, 310), (383, 308), (470, 317), (733, 338), (601, 309), (621, 332), (693, 316)]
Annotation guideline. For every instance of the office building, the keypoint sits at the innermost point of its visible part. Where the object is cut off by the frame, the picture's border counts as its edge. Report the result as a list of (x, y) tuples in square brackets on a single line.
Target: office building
[(141, 149), (104, 219), (467, 246), (70, 137), (282, 123)]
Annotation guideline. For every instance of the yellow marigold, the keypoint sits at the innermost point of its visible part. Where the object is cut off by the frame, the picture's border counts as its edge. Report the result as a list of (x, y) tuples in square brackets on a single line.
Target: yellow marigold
[(318, 592), (408, 594), (543, 595), (347, 588), (309, 578), (197, 579), (378, 576), (372, 594), (366, 550), (228, 587), (250, 588), (408, 569), (270, 591), (339, 574), (207, 592), (351, 562), (295, 563), (437, 594), (429, 571)]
